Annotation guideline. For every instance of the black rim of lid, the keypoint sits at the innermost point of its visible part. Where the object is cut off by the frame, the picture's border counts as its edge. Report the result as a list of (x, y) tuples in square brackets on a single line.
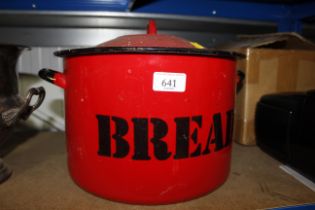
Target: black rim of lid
[(148, 50)]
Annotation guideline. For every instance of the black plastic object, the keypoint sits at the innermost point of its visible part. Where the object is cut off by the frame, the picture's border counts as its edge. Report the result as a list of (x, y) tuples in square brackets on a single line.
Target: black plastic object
[(285, 129)]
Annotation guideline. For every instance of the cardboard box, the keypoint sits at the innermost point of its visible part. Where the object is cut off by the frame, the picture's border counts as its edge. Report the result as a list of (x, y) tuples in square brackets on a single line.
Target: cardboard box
[(281, 62)]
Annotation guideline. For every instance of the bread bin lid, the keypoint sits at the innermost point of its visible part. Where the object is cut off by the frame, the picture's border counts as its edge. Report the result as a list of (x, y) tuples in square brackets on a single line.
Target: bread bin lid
[(149, 43)]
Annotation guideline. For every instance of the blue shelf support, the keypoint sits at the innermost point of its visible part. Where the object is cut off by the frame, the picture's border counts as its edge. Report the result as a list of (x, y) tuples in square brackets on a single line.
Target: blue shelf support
[(297, 14), (289, 25), (67, 5), (289, 17)]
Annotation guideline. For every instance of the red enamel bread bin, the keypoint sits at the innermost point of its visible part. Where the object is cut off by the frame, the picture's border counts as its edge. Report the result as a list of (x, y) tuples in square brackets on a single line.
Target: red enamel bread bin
[(148, 117)]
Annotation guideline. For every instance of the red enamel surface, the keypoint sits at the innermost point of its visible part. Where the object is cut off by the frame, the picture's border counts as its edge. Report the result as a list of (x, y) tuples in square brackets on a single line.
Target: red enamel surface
[(151, 39), (121, 85), (59, 80)]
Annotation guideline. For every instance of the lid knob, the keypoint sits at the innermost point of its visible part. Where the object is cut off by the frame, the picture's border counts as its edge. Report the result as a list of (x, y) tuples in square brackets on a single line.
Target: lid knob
[(151, 29)]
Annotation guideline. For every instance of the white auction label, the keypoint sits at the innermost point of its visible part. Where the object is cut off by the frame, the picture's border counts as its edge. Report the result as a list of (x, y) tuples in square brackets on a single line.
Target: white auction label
[(169, 82)]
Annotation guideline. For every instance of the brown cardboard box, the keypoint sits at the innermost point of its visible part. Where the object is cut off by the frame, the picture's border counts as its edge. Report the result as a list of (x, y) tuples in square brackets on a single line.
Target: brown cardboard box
[(279, 62)]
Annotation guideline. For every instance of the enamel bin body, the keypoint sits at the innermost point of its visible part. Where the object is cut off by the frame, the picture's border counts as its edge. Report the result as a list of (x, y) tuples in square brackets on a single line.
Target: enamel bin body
[(148, 122)]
